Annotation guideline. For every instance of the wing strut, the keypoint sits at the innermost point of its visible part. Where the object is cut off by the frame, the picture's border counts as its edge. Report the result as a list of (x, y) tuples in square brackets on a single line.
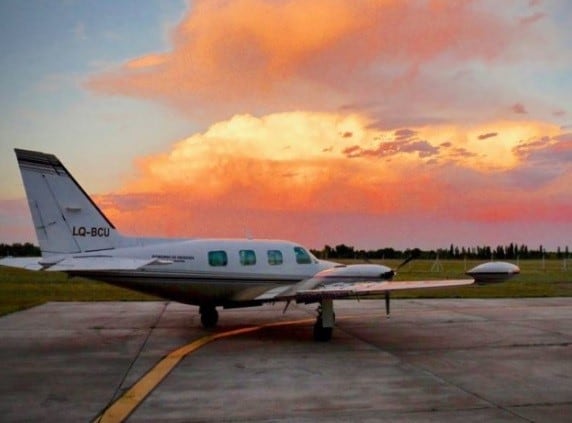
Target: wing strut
[(387, 298), (325, 321)]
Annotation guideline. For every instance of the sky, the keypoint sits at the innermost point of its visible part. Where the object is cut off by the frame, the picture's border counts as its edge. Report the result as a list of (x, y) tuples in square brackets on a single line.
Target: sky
[(376, 124)]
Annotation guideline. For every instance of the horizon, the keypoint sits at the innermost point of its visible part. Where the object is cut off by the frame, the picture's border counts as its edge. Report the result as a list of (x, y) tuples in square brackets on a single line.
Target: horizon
[(397, 123), (462, 249)]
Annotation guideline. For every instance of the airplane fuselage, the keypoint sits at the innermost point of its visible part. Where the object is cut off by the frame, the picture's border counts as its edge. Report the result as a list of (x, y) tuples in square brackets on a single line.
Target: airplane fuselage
[(211, 271)]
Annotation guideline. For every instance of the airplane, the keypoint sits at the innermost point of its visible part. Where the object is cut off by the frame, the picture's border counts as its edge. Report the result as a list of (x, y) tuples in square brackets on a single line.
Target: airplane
[(77, 238)]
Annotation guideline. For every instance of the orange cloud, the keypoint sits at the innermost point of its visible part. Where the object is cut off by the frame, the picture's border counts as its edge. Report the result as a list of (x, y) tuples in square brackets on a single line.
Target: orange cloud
[(524, 211), (332, 112), (254, 55), (248, 161), (258, 174)]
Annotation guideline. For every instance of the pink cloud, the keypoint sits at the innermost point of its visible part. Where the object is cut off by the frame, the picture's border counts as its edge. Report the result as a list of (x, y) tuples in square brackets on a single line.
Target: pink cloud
[(387, 149), (251, 55), (535, 17), (460, 152), (523, 212), (403, 101), (519, 108), (295, 176), (16, 222), (343, 210)]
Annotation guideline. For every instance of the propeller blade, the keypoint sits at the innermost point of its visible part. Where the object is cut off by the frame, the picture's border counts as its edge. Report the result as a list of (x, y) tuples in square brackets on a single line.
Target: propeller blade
[(390, 274), (407, 260)]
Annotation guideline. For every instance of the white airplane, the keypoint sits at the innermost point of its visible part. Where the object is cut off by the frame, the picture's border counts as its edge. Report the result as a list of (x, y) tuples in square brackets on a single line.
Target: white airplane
[(75, 237)]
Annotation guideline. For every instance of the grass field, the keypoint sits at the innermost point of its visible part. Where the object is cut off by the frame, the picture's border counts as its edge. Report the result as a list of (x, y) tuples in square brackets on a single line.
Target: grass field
[(537, 279), (20, 289)]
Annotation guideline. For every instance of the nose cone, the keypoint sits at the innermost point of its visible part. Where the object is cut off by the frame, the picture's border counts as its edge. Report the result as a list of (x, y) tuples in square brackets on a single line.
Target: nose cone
[(493, 272)]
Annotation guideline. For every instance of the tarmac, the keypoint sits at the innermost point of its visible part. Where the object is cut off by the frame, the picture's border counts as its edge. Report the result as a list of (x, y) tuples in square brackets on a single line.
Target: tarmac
[(466, 360)]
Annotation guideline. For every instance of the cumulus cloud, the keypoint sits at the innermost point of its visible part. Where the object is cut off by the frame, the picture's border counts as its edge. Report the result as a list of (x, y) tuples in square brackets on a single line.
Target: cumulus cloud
[(550, 150), (460, 152), (318, 111), (255, 173), (261, 57), (405, 141)]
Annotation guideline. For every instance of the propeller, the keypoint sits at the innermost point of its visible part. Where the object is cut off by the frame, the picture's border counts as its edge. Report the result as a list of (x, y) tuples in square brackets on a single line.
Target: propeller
[(391, 274), (407, 260)]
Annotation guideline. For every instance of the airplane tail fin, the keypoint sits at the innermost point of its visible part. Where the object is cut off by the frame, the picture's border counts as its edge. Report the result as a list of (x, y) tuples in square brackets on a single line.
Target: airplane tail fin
[(65, 218)]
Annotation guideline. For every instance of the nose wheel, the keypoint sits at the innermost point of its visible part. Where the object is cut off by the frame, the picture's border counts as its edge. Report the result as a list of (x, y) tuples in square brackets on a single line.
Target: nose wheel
[(209, 316)]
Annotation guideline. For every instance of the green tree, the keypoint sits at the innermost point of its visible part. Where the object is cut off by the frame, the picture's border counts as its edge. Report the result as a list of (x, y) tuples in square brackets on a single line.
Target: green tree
[(19, 250)]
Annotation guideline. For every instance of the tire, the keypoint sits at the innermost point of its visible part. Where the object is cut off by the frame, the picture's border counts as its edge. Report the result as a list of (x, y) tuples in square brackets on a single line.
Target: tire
[(322, 334), (209, 317)]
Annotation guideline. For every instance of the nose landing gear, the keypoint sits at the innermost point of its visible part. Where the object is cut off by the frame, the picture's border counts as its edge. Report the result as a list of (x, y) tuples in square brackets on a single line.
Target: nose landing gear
[(209, 316)]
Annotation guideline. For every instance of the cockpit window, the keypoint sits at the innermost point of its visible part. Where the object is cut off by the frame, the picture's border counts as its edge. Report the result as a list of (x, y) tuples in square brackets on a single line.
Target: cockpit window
[(275, 257), (247, 257), (302, 256), (218, 258)]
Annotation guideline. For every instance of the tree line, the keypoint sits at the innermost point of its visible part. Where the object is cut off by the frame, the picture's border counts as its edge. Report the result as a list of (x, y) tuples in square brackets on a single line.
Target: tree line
[(19, 250), (512, 251), (342, 251)]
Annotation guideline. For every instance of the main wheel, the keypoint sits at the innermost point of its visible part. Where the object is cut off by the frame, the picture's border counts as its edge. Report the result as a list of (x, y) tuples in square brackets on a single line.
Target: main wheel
[(321, 334), (209, 316)]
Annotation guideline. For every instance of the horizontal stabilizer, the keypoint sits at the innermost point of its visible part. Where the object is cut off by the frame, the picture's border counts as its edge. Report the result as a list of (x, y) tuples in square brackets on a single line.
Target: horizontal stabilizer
[(92, 264), (29, 263)]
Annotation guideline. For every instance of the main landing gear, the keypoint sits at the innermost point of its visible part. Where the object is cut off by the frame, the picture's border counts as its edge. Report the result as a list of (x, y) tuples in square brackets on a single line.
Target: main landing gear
[(325, 321), (209, 316)]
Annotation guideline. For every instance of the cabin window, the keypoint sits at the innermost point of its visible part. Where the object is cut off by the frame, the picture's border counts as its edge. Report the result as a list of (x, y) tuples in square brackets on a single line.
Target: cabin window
[(275, 257), (302, 256), (218, 258), (247, 257)]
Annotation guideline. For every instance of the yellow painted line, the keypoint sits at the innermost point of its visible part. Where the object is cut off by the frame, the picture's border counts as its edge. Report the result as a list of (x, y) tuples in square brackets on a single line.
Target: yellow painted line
[(130, 400)]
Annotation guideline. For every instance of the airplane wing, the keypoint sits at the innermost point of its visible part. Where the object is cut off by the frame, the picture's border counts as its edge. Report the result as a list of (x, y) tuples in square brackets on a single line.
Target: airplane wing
[(366, 280), (355, 281), (358, 290)]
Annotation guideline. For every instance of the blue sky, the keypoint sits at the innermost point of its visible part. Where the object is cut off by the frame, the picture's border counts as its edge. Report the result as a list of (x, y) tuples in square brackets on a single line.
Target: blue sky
[(48, 50)]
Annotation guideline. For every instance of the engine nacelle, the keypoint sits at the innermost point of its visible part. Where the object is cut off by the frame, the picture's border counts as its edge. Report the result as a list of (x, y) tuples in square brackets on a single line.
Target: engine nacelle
[(357, 272), (493, 272)]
